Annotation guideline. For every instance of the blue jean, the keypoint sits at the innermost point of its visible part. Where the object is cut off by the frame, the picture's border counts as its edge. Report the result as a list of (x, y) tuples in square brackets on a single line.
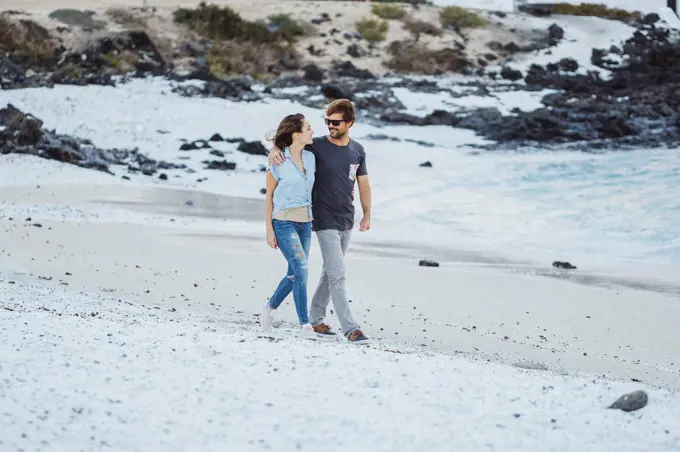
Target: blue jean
[(294, 240)]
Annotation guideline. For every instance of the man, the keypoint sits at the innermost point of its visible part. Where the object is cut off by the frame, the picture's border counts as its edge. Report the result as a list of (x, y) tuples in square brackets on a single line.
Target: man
[(340, 161)]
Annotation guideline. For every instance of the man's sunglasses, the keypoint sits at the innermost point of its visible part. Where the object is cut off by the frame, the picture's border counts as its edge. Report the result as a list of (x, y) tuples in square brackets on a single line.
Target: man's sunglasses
[(335, 122)]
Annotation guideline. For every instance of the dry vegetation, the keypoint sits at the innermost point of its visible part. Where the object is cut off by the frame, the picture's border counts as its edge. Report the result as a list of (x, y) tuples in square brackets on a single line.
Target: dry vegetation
[(126, 18), (229, 58), (596, 10), (415, 58), (26, 41), (243, 47), (420, 27)]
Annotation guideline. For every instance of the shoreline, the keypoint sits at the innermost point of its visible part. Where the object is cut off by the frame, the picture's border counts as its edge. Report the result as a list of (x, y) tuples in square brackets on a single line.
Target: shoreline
[(146, 199), (490, 313)]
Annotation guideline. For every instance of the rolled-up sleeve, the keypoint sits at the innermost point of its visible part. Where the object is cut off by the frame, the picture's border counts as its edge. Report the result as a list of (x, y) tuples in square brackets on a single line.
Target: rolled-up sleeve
[(275, 172), (362, 170)]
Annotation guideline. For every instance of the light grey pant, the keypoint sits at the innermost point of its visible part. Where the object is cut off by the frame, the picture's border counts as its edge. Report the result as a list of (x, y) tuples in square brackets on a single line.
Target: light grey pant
[(333, 245)]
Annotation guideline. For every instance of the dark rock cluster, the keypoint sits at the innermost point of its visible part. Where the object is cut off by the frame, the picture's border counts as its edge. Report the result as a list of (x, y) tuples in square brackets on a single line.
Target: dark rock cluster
[(130, 52), (639, 105), (22, 133)]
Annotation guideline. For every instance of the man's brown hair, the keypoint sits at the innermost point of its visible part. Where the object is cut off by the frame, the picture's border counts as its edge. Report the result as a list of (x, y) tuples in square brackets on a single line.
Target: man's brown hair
[(344, 107)]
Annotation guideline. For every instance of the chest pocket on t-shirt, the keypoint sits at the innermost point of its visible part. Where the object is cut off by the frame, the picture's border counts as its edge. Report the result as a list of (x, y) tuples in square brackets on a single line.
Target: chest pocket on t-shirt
[(353, 172)]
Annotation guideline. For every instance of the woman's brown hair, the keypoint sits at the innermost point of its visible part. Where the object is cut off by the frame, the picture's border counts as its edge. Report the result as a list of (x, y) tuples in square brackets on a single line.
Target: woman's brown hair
[(283, 137)]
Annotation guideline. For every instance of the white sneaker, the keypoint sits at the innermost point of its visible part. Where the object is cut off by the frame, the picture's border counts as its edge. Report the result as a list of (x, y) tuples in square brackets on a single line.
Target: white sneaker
[(307, 332), (267, 317)]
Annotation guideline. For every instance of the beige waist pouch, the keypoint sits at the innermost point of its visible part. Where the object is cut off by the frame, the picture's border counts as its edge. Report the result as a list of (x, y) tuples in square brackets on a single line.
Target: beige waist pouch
[(297, 214)]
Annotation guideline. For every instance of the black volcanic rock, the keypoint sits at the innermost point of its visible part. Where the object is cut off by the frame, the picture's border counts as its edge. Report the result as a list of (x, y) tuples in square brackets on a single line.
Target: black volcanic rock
[(22, 133)]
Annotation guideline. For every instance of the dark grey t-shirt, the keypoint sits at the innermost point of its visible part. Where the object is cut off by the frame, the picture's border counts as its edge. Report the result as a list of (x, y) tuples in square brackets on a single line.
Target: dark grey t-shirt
[(337, 168)]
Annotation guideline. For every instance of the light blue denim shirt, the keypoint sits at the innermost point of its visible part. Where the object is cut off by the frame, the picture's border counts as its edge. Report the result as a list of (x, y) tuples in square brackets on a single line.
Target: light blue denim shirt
[(294, 187)]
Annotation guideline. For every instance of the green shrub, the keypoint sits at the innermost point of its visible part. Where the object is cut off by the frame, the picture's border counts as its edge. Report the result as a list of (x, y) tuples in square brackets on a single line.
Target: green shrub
[(420, 27), (77, 18), (595, 10), (217, 22), (388, 11), (373, 30), (456, 16), (290, 28)]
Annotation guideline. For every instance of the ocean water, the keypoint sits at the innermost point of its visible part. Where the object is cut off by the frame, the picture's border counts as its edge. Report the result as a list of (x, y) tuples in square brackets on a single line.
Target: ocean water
[(614, 207), (604, 209)]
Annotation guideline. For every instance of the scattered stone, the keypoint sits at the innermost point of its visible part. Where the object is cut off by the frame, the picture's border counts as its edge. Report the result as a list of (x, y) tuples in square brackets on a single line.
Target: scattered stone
[(235, 140), (555, 34), (355, 51), (428, 263), (511, 74), (221, 165), (323, 17), (565, 265), (216, 137), (333, 92), (253, 148), (312, 73), (568, 65), (631, 402), (511, 47), (239, 88), (538, 10), (427, 164), (420, 142), (198, 144), (378, 136), (650, 19)]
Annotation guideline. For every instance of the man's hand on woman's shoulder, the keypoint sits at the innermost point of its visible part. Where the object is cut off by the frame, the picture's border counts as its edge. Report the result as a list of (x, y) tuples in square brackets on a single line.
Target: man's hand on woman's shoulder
[(275, 156)]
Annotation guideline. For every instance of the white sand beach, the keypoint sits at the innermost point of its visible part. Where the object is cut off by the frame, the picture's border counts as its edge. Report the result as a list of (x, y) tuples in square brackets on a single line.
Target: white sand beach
[(130, 329)]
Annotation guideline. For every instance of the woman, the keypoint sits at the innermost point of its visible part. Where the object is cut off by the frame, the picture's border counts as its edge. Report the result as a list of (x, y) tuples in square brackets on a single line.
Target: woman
[(289, 216)]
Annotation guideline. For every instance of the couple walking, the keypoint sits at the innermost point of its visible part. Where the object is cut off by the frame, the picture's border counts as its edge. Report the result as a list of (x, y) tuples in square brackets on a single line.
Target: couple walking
[(310, 186)]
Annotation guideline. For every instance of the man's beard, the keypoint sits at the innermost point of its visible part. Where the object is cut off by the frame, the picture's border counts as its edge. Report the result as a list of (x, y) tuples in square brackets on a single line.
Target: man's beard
[(336, 133)]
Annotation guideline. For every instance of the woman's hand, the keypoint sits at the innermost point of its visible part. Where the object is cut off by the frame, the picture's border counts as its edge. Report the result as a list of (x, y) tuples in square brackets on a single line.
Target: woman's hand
[(271, 238)]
